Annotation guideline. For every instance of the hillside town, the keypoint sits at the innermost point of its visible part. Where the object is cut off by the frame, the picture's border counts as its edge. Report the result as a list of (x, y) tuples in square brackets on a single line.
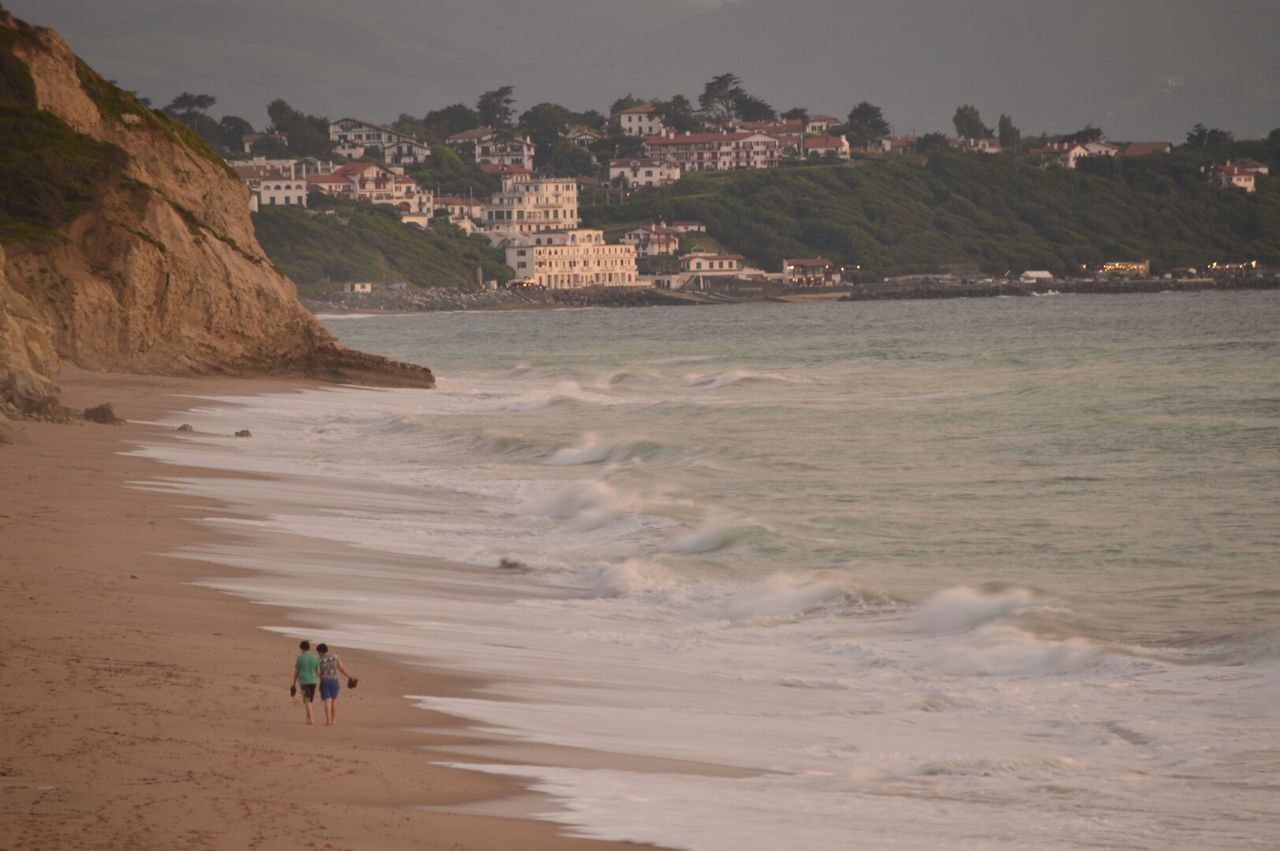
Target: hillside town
[(532, 217)]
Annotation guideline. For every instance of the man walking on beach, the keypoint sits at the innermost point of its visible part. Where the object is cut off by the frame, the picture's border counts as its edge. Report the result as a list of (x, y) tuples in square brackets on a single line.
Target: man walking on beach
[(305, 674), (330, 667)]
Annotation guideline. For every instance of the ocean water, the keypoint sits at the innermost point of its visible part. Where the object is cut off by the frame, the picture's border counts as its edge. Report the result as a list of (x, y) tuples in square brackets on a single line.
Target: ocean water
[(992, 574)]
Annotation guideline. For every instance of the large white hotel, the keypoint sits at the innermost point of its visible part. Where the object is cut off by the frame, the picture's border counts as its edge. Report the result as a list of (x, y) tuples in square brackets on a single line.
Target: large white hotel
[(535, 220)]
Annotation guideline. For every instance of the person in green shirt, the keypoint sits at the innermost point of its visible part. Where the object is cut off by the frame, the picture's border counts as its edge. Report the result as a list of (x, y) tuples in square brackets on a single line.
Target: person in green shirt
[(306, 674)]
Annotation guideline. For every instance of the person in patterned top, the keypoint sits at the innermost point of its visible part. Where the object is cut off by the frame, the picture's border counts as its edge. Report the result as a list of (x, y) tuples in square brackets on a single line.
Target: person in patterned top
[(330, 685)]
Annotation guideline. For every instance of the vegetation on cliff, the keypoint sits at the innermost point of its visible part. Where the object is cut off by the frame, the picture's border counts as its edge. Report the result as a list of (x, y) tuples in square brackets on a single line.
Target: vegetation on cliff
[(48, 171), (339, 240), (905, 214)]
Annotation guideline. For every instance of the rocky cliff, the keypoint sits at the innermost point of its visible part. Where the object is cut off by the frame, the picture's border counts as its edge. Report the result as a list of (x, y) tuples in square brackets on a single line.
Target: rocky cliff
[(126, 244)]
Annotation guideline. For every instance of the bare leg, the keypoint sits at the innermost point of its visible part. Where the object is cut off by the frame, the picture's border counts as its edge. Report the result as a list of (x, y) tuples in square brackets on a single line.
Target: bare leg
[(333, 712), (310, 718), (328, 712)]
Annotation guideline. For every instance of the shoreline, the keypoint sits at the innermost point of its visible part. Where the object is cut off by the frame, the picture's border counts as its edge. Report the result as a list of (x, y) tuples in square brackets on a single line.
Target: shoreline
[(749, 292), (145, 710)]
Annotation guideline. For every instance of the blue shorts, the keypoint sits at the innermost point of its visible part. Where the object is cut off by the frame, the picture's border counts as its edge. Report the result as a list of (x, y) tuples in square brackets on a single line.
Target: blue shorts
[(329, 689)]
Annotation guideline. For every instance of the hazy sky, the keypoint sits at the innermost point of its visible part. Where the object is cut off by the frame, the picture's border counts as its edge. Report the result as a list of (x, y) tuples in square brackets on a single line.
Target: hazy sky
[(1140, 69)]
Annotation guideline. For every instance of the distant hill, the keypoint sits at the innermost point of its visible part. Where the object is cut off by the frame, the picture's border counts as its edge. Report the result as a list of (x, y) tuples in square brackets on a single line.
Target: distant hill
[(364, 242), (900, 215)]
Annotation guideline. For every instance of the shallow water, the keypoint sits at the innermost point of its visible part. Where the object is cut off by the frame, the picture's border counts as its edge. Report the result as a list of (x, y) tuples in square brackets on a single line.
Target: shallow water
[(991, 573)]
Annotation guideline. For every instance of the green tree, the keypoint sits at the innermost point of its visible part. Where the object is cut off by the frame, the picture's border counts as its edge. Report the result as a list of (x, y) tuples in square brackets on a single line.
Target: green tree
[(1086, 134), (751, 108), (565, 159), (625, 102), (231, 132), (798, 113), (1208, 137), (866, 125), (189, 108), (308, 135), (1010, 136), (544, 123), (497, 107), (443, 123), (677, 113), (719, 98), (932, 143), (969, 124)]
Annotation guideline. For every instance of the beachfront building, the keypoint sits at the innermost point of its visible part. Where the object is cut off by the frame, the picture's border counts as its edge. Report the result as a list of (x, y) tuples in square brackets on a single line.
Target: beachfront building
[(353, 138), (272, 182), (715, 151), (568, 259), (375, 183), (808, 272), (1036, 276), (528, 204), (652, 240), (700, 263), (635, 172), (1125, 269), (640, 120)]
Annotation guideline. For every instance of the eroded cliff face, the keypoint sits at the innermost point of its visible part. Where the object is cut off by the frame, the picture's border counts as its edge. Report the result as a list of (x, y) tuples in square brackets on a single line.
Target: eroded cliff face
[(159, 271)]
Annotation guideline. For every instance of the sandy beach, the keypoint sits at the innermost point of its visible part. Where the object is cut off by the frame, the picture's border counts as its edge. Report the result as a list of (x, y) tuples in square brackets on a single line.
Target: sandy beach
[(142, 711)]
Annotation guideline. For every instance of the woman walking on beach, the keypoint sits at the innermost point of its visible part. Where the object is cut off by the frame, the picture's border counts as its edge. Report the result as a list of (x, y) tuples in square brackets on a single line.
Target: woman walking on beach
[(330, 667)]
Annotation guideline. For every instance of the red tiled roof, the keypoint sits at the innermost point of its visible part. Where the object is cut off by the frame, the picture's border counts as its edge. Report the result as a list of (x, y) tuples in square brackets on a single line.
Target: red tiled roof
[(638, 109), (824, 142)]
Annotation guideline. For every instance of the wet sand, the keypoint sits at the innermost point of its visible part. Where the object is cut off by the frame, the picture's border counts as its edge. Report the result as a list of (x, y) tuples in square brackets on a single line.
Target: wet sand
[(142, 711)]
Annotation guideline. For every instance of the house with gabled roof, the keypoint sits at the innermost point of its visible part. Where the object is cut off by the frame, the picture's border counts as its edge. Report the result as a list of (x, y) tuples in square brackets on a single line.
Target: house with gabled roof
[(354, 138), (376, 184), (1235, 177), (646, 173), (640, 120), (820, 123), (474, 136), (652, 240), (506, 149), (824, 146), (583, 136)]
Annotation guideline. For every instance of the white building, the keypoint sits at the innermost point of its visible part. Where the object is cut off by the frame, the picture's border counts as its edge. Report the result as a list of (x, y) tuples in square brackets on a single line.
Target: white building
[(822, 146), (505, 150), (715, 151), (1235, 177), (1035, 276), (272, 182), (353, 138), (652, 240), (358, 287), (700, 263), (820, 123), (529, 204), (568, 259), (474, 136), (583, 136), (640, 120), (644, 173), (375, 183)]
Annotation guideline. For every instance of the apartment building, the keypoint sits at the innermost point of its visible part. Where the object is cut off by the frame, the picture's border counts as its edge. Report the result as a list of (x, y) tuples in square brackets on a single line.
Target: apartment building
[(529, 204), (568, 259), (715, 151), (353, 138)]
